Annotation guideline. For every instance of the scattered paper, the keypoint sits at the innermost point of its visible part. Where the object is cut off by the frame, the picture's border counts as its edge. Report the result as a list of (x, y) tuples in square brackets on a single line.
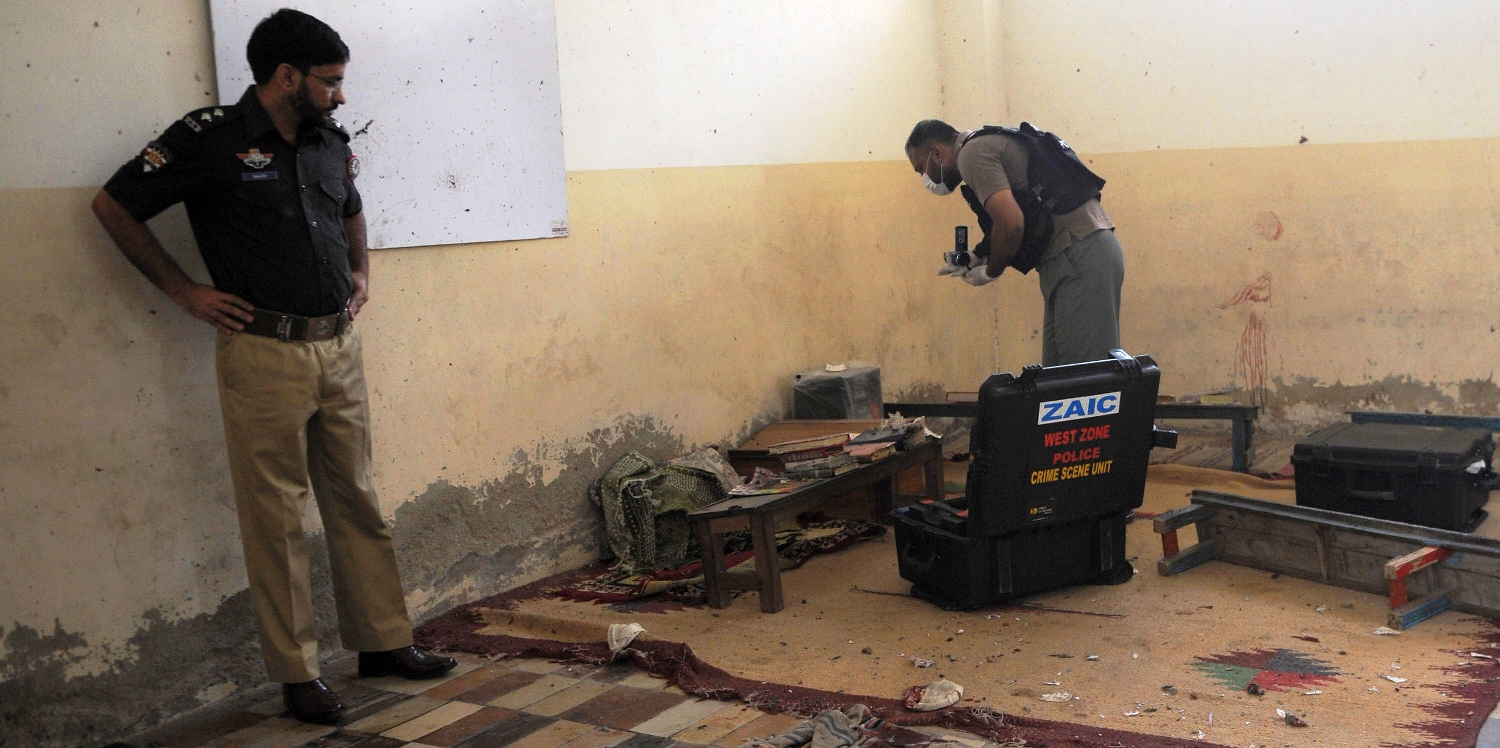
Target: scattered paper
[(1132, 714), (1051, 683), (1476, 654), (1056, 698), (925, 663), (1092, 658), (1373, 689), (1386, 631), (1312, 693), (1321, 609), (1395, 679)]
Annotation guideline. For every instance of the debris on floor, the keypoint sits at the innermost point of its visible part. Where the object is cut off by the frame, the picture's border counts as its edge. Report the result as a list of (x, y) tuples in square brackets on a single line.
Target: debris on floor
[(622, 634), (939, 694)]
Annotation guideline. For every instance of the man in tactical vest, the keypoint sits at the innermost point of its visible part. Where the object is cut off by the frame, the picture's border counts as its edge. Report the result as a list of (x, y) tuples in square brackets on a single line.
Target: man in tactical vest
[(1038, 207)]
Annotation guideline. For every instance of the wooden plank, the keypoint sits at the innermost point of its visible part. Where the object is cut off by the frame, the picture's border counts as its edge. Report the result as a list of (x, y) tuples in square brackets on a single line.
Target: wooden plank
[(1197, 554), (1403, 566), (1417, 611), (1181, 517), (1354, 552), (785, 431)]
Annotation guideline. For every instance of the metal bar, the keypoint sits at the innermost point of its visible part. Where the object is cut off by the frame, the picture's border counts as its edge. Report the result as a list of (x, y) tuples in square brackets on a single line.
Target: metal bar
[(1425, 419)]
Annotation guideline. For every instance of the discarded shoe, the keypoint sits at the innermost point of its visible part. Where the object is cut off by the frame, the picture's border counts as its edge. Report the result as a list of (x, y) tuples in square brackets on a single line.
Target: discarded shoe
[(939, 694)]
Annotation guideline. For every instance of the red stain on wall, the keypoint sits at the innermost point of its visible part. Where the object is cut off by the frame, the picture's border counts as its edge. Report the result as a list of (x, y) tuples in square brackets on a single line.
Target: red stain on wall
[(1269, 226), (1257, 292), (1251, 354)]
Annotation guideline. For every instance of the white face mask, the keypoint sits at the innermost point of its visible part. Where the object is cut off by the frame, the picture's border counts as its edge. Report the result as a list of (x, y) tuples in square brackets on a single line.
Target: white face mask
[(937, 188)]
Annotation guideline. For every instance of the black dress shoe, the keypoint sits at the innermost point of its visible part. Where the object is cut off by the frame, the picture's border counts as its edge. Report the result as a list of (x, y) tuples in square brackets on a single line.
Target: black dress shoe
[(312, 701), (407, 662)]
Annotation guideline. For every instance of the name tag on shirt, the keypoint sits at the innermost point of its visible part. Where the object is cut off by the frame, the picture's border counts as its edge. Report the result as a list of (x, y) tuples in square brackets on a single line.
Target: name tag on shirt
[(257, 176)]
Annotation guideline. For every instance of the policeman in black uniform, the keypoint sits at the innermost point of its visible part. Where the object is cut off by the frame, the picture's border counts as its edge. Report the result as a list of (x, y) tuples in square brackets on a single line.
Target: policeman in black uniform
[(269, 188)]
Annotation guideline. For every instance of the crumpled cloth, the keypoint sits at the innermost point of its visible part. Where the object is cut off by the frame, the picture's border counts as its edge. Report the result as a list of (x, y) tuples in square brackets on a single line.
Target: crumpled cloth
[(831, 729), (854, 727), (646, 506)]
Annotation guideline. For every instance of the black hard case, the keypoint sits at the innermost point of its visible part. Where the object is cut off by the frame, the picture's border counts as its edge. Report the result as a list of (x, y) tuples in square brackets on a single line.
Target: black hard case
[(962, 572), (1010, 447), (1413, 474)]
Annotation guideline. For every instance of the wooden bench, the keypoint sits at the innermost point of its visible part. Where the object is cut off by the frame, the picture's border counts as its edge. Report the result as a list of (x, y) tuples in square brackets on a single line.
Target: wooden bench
[(759, 514)]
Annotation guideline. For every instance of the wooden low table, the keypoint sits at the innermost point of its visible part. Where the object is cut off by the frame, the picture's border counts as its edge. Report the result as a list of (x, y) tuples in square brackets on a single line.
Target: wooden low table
[(759, 515)]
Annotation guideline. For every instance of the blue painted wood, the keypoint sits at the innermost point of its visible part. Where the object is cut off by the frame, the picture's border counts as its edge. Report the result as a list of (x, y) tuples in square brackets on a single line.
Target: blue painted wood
[(1417, 611), (1425, 419), (1187, 559)]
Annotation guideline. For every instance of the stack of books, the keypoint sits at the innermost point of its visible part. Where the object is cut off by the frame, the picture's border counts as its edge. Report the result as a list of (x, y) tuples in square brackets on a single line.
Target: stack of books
[(870, 452), (815, 457)]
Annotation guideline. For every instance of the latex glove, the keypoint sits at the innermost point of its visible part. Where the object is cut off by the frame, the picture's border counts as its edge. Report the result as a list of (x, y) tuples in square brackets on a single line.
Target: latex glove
[(958, 266), (979, 276)]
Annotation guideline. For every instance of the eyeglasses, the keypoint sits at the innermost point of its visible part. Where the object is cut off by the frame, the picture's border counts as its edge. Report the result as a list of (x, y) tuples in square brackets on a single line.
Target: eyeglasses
[(333, 85)]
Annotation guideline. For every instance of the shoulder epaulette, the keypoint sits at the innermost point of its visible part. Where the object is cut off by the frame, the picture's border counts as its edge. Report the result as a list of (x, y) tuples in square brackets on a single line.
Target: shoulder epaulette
[(209, 117), (337, 128)]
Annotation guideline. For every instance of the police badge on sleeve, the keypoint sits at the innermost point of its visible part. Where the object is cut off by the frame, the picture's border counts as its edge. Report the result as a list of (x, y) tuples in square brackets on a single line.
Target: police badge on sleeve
[(154, 156)]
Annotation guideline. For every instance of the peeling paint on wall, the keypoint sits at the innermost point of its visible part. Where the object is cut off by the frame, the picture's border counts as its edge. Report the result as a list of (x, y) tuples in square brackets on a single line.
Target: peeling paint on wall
[(158, 673)]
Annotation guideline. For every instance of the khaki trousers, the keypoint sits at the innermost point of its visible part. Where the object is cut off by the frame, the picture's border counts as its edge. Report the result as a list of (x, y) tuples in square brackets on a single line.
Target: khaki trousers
[(1081, 294), (296, 421)]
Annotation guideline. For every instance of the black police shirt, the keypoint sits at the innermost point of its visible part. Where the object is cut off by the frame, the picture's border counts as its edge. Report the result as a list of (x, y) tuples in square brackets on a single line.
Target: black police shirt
[(268, 216)]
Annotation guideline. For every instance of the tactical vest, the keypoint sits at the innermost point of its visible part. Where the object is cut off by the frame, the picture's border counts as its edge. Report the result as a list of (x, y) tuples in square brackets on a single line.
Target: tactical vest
[(1057, 184)]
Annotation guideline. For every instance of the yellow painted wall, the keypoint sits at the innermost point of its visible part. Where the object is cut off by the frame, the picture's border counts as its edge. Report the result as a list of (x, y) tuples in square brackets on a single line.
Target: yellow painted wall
[(1380, 262)]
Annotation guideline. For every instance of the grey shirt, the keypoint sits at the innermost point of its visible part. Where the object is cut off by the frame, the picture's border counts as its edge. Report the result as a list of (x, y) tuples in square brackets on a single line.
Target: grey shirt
[(990, 163)]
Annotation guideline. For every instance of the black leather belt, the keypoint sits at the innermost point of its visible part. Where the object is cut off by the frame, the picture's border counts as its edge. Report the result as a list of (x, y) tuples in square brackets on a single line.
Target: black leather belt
[(292, 327)]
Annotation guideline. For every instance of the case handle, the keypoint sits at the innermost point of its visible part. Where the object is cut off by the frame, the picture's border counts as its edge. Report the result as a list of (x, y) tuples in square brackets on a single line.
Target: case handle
[(1372, 495), (920, 565)]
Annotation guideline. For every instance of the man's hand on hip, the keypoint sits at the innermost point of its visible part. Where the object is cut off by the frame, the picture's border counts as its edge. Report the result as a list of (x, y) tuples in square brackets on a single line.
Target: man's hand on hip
[(225, 311), (360, 296)]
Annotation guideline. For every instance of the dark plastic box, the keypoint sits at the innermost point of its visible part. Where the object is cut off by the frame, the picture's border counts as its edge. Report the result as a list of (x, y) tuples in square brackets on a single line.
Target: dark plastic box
[(956, 571), (853, 392), (1420, 475), (1061, 444)]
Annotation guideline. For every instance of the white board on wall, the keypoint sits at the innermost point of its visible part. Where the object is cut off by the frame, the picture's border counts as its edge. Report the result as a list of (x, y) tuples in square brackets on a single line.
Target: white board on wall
[(454, 108)]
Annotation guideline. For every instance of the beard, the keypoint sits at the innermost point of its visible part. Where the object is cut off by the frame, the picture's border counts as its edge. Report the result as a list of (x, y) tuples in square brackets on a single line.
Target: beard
[(302, 103)]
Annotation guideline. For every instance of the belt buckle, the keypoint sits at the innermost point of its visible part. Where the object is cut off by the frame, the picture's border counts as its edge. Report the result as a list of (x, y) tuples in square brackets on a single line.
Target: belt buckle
[(284, 328), (321, 330)]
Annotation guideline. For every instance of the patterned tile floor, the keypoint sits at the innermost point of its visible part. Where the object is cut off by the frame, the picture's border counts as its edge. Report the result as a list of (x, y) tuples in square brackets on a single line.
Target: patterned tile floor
[(507, 704)]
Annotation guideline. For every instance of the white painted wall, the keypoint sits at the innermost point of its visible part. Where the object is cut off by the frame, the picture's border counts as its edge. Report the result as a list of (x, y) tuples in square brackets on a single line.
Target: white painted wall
[(664, 83), (1137, 75), (85, 83)]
